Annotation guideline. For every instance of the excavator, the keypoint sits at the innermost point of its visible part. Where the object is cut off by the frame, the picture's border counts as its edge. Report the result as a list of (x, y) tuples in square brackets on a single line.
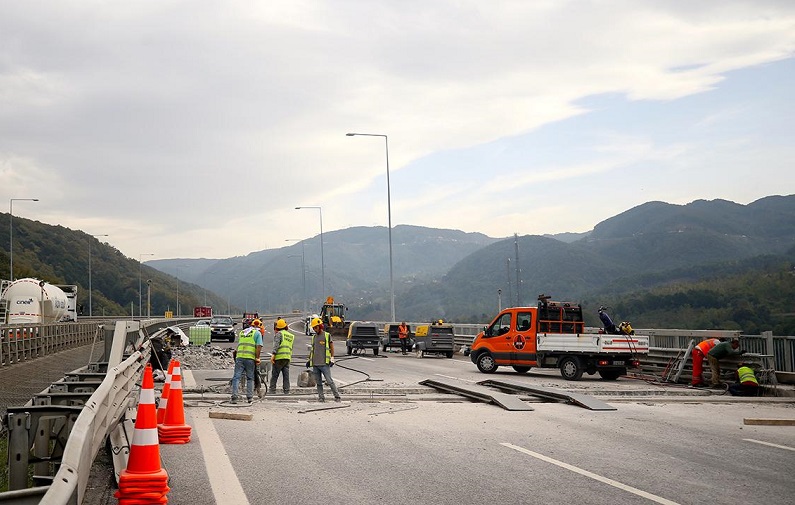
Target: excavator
[(333, 317)]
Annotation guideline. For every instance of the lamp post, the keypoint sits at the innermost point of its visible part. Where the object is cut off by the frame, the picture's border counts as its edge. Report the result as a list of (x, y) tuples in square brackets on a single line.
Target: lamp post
[(303, 268), (149, 298), (389, 216), (322, 260), (140, 291), (11, 231), (178, 311), (90, 290)]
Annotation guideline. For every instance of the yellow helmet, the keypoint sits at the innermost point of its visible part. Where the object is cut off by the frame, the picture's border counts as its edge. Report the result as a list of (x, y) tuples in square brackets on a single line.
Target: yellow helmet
[(281, 324), (316, 322), (257, 323)]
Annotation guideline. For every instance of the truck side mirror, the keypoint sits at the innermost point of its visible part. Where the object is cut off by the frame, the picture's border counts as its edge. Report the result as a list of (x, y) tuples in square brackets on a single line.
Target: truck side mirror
[(486, 331)]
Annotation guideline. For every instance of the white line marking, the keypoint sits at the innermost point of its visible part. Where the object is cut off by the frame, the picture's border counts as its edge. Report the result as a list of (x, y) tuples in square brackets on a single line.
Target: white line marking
[(594, 476), (454, 378), (188, 380), (223, 479), (366, 359), (768, 443)]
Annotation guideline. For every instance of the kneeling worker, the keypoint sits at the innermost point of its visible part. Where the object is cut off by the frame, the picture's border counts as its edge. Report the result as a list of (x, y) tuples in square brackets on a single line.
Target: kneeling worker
[(747, 384), (321, 359)]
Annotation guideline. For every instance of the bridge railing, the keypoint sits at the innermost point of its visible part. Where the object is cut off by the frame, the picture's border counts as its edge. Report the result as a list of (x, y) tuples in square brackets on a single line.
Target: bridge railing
[(22, 342)]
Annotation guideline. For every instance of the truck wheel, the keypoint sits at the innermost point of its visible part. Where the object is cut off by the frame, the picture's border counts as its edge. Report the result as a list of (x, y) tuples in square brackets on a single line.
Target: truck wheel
[(611, 375), (570, 368), (486, 363), (350, 351), (375, 351), (449, 354), (384, 347), (522, 369)]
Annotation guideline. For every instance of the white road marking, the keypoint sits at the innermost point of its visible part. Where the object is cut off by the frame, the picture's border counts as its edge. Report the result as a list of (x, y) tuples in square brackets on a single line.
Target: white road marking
[(769, 444), (223, 479), (594, 476), (454, 378), (366, 359), (188, 381)]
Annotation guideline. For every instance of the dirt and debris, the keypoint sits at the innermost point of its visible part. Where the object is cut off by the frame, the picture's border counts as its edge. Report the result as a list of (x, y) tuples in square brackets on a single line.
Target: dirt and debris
[(204, 357)]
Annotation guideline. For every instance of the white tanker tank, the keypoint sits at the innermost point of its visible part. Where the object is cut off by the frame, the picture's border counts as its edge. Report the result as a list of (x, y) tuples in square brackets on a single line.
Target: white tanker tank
[(31, 301)]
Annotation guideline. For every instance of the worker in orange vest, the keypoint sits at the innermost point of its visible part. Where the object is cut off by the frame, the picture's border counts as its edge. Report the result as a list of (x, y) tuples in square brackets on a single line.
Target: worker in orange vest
[(698, 356)]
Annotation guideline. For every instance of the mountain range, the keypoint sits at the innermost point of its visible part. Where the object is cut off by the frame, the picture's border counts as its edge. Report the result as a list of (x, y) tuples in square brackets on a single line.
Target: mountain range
[(653, 248)]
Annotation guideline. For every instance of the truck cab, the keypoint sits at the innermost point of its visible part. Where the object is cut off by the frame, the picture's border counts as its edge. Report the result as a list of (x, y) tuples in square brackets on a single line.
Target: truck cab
[(552, 335)]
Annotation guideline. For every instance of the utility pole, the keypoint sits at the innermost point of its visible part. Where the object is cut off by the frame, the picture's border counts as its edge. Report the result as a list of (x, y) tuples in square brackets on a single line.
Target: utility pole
[(518, 270)]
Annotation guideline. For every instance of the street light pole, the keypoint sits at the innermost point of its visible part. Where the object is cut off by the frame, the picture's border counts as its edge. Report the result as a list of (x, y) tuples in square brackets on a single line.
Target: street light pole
[(11, 231), (322, 260), (90, 308), (389, 216), (140, 290), (303, 268), (149, 298)]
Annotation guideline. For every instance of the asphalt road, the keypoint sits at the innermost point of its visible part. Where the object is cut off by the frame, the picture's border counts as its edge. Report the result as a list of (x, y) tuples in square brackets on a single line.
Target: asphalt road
[(657, 446)]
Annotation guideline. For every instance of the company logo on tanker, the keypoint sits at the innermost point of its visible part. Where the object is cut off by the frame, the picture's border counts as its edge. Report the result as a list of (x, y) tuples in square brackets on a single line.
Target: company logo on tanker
[(29, 301)]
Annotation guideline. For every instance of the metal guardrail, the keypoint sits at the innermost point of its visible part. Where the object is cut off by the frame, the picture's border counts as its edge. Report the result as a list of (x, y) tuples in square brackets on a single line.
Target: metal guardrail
[(87, 433), (19, 342)]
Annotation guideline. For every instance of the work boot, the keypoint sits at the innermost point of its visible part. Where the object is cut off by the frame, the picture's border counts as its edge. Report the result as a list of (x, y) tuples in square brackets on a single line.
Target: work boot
[(321, 399), (337, 399), (233, 400), (250, 400)]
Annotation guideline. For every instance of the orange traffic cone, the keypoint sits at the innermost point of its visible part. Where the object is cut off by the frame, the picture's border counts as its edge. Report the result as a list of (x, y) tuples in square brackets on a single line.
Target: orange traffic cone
[(174, 430), (144, 480), (161, 407)]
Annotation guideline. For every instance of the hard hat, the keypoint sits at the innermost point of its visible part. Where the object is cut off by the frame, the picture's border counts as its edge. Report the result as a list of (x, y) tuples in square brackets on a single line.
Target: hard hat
[(256, 323), (441, 321), (281, 324), (316, 322)]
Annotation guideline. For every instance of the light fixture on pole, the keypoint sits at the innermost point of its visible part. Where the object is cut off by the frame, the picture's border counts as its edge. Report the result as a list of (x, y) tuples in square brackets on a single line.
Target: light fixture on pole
[(303, 267), (322, 260), (90, 308), (389, 216), (140, 290), (11, 231)]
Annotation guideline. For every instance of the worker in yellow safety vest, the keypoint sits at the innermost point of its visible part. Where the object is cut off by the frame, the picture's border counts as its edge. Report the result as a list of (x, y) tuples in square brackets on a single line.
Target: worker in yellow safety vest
[(747, 385), (249, 346), (321, 359), (281, 356)]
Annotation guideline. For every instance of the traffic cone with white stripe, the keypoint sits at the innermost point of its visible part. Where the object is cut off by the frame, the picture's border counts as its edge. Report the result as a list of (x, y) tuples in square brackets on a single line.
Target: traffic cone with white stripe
[(144, 480), (161, 407), (173, 430)]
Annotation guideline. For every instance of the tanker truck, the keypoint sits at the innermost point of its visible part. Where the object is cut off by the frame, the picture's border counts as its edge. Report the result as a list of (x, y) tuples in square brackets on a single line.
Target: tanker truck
[(31, 301)]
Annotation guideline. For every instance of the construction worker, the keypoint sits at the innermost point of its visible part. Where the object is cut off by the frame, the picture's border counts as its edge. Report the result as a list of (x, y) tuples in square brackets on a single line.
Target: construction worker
[(403, 335), (321, 359), (720, 351), (698, 356), (747, 385), (281, 356), (249, 346)]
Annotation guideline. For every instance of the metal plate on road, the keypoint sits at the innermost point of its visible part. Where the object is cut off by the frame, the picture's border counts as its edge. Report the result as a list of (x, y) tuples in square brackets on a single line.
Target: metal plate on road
[(506, 401), (589, 402)]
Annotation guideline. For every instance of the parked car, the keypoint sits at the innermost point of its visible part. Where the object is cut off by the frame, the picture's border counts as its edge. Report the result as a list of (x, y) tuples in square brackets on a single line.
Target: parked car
[(307, 328), (222, 327)]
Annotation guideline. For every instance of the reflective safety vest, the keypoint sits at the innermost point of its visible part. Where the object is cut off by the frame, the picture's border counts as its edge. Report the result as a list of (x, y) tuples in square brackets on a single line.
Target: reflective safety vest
[(706, 345), (285, 349), (247, 344), (746, 375), (328, 351)]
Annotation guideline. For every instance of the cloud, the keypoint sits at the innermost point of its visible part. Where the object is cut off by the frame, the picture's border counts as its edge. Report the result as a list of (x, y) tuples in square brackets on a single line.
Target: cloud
[(190, 127)]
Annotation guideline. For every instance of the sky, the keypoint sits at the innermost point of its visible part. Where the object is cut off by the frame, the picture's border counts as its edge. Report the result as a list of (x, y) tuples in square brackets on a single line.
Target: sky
[(192, 129)]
